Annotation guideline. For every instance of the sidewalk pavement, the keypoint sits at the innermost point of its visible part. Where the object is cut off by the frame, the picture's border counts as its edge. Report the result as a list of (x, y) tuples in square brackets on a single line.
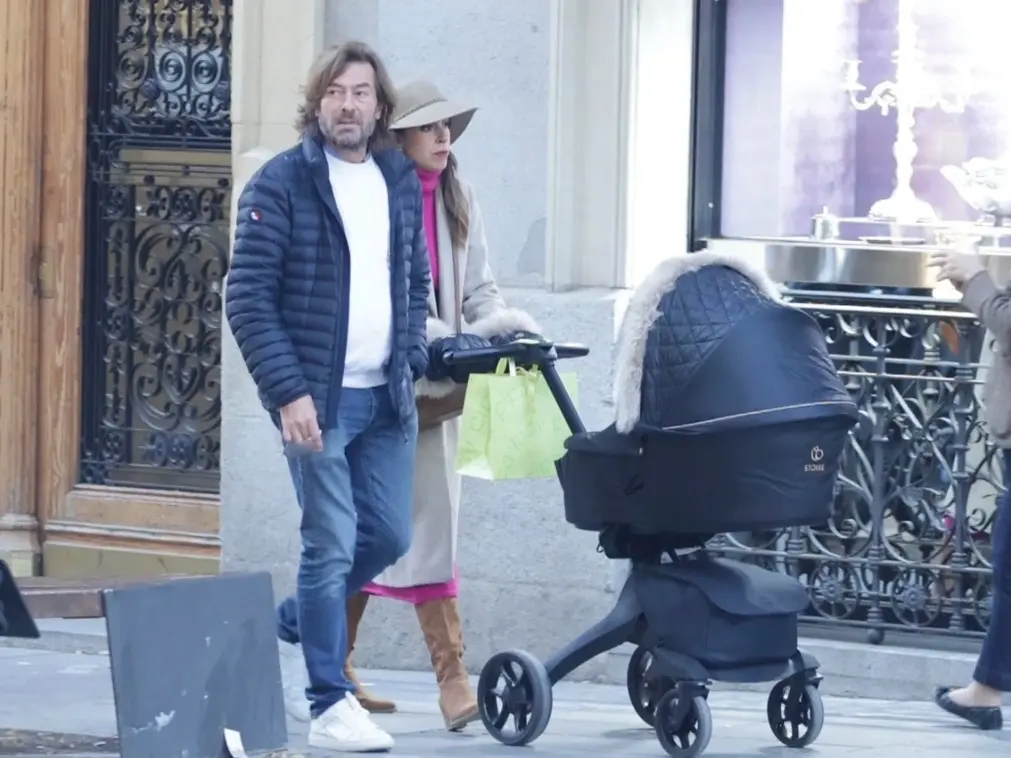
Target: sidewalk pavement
[(58, 692)]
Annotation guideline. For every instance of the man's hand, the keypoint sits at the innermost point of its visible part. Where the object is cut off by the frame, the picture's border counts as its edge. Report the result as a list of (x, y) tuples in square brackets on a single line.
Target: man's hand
[(299, 424), (957, 267)]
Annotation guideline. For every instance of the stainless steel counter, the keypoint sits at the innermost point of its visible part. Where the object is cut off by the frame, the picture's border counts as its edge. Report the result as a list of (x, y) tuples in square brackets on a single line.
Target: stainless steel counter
[(850, 262)]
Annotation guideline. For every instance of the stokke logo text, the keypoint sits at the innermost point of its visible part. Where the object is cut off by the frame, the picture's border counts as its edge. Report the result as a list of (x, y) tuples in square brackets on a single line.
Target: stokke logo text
[(816, 465)]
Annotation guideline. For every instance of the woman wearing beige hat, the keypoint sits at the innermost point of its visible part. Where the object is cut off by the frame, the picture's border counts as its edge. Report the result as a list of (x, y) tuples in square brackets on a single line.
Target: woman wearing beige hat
[(464, 300)]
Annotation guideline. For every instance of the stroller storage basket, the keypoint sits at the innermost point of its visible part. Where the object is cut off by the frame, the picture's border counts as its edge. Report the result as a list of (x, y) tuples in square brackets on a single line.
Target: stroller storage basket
[(723, 613)]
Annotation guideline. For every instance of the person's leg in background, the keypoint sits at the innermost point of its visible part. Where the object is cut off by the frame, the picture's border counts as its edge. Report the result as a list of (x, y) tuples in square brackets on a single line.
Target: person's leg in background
[(980, 701), (369, 701)]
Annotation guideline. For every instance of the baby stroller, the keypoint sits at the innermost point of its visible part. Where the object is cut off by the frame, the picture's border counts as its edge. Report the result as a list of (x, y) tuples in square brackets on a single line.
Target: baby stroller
[(730, 417)]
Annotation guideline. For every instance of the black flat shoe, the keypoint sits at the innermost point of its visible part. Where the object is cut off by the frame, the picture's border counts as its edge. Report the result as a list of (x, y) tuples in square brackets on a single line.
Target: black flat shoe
[(987, 718)]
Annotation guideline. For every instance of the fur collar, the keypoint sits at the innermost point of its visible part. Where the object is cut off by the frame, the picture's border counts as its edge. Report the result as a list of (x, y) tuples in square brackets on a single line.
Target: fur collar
[(642, 312), (497, 324)]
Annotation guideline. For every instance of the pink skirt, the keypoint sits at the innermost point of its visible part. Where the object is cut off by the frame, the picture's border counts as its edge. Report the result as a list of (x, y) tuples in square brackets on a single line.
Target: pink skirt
[(424, 593)]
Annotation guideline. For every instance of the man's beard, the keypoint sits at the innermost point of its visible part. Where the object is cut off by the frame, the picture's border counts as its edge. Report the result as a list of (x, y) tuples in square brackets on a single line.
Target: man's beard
[(348, 135)]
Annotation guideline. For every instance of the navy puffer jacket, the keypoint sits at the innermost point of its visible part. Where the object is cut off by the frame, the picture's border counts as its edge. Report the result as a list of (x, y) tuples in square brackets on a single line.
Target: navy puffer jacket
[(287, 291)]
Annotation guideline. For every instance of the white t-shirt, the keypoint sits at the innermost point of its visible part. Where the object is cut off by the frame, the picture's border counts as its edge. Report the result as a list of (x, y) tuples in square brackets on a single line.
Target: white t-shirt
[(362, 198)]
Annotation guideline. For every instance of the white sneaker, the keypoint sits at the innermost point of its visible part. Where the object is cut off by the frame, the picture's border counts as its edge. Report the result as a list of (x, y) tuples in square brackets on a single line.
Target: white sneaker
[(346, 726), (294, 680)]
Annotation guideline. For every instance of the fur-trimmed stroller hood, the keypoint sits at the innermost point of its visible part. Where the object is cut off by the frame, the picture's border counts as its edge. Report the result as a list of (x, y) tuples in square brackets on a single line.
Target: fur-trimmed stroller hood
[(500, 323), (708, 336)]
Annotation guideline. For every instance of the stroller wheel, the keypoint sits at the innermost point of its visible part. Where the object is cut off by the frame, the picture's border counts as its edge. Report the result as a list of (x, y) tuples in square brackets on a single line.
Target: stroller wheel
[(514, 697), (645, 691), (683, 732), (796, 712)]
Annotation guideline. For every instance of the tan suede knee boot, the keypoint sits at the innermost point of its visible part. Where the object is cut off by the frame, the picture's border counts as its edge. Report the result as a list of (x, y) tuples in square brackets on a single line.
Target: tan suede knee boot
[(356, 609), (440, 623)]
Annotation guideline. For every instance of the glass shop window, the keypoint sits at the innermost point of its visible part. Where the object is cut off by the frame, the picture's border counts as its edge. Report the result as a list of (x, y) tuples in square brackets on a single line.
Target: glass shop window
[(867, 109)]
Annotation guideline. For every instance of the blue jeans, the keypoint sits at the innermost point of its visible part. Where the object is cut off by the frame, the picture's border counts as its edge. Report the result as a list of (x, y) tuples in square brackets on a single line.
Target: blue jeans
[(355, 498), (994, 665)]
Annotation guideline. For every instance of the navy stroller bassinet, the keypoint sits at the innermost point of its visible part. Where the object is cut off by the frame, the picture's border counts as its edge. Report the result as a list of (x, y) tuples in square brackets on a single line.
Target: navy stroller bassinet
[(730, 414), (730, 418)]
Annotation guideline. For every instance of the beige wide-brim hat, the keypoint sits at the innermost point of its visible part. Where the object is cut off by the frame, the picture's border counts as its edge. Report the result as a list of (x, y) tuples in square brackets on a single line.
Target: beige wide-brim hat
[(420, 103)]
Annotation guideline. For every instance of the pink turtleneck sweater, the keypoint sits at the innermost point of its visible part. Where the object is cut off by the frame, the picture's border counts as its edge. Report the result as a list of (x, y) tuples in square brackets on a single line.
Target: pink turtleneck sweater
[(429, 186)]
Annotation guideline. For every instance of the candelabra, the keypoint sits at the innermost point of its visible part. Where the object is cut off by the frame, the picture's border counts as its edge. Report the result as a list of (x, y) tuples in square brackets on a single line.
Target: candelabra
[(912, 89)]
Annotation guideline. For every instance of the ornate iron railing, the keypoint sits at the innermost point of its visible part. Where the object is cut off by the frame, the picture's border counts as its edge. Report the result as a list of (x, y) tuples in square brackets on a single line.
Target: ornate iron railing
[(908, 544), (157, 230)]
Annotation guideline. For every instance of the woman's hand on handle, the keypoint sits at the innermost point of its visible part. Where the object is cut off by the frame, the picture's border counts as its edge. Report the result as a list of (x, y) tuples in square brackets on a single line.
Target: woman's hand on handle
[(438, 369)]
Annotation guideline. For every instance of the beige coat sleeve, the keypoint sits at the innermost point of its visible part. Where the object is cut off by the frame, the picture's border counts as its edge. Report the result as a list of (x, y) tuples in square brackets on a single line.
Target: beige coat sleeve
[(481, 297)]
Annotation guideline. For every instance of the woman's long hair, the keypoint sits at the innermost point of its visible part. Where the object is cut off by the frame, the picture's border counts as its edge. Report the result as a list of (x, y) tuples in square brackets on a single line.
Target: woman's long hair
[(457, 210)]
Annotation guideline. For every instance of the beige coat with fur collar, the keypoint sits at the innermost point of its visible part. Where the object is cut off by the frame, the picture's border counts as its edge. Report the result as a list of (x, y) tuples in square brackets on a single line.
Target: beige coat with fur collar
[(436, 483)]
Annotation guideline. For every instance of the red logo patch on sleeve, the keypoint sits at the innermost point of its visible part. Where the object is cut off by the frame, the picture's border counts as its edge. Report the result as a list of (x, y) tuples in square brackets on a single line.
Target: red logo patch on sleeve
[(255, 215)]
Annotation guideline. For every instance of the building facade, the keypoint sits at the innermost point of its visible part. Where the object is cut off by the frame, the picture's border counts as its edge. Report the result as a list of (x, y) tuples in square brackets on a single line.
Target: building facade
[(611, 134)]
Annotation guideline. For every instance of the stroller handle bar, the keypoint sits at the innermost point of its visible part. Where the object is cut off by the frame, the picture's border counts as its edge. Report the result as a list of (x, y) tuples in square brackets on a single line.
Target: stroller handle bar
[(527, 352)]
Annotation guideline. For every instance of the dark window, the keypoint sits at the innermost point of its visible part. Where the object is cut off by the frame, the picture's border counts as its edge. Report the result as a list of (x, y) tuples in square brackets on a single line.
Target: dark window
[(782, 129)]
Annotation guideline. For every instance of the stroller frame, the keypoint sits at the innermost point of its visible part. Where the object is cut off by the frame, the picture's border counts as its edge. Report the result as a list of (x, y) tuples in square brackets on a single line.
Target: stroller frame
[(668, 689)]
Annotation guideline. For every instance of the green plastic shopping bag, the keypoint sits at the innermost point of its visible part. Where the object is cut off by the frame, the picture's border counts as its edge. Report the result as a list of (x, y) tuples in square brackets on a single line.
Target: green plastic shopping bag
[(511, 427)]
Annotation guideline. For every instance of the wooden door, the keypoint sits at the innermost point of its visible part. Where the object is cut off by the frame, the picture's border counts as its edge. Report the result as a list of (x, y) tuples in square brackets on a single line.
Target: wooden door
[(23, 118), (120, 469)]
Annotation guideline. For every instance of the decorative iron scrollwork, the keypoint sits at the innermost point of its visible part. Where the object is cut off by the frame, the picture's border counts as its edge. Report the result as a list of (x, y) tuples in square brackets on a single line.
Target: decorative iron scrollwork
[(909, 540), (157, 204), (172, 69)]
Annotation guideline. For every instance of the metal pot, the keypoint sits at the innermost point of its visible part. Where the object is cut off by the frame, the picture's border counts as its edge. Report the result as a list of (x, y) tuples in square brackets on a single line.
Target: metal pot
[(854, 263)]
